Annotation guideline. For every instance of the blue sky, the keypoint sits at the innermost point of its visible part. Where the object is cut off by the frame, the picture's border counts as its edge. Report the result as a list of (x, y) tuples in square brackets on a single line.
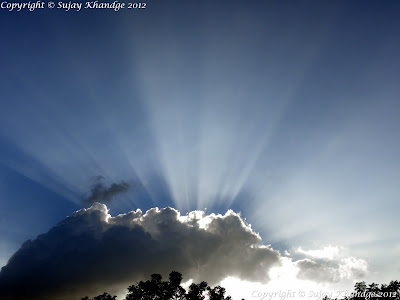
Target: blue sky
[(287, 112)]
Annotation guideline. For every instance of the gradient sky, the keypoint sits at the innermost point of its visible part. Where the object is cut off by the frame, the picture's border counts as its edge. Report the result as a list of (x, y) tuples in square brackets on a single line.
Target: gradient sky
[(287, 111)]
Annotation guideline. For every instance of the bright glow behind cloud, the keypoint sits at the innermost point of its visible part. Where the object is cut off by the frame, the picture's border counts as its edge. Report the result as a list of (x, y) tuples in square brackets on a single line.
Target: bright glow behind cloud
[(285, 282), (328, 252)]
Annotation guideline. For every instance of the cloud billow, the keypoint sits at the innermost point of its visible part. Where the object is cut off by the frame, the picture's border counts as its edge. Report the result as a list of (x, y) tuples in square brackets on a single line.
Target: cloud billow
[(329, 268), (90, 252)]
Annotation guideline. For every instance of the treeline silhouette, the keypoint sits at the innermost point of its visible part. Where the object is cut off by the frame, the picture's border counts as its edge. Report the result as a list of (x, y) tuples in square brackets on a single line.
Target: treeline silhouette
[(157, 289)]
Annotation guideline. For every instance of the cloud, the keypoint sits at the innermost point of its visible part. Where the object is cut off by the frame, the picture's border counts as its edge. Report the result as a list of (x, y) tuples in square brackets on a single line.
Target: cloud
[(331, 270), (102, 194), (317, 271), (91, 252), (352, 267)]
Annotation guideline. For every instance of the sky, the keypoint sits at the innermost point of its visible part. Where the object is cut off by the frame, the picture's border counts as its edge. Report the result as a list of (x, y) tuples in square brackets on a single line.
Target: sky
[(269, 129)]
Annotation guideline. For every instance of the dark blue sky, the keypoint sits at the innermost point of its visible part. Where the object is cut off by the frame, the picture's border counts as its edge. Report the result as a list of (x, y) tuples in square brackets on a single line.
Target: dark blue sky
[(267, 107)]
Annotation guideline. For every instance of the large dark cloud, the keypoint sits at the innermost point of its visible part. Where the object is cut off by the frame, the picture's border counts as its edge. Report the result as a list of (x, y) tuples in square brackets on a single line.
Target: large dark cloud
[(90, 252), (103, 194)]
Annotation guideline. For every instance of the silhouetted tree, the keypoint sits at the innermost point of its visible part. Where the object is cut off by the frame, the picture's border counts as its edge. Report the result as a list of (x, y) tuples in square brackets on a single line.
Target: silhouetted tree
[(153, 289), (373, 289), (157, 289), (104, 296), (196, 291), (374, 292), (360, 287), (393, 289), (174, 288), (217, 293)]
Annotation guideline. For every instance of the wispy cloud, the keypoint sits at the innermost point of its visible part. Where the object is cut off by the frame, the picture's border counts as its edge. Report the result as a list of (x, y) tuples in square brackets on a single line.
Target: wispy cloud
[(103, 194), (328, 252)]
